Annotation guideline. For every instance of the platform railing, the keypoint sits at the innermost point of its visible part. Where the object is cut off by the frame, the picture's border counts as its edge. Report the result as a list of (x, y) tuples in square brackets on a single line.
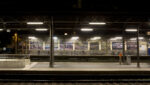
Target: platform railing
[(14, 56), (84, 53)]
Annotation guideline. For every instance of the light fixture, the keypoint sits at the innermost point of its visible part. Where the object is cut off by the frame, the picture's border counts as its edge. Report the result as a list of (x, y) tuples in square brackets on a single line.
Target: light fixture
[(41, 29), (74, 38), (55, 38), (4, 48), (1, 29), (97, 23), (113, 39), (140, 38), (65, 33), (118, 37), (86, 29), (131, 30), (8, 30), (32, 37), (133, 39), (95, 38), (34, 23)]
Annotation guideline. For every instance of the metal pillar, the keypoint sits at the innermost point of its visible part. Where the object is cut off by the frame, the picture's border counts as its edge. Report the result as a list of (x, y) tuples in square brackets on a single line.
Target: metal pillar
[(51, 44), (22, 45), (106, 47), (26, 52), (29, 46), (147, 45), (138, 56), (123, 48)]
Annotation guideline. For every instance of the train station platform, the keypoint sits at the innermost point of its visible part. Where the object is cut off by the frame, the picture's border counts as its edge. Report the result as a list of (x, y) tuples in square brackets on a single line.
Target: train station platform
[(77, 71), (82, 66)]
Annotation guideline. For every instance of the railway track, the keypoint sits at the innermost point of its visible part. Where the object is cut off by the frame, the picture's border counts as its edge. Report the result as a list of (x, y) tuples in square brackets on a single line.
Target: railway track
[(73, 83)]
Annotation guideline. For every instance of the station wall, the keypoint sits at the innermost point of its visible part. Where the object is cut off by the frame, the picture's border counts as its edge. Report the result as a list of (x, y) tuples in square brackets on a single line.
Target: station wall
[(86, 48)]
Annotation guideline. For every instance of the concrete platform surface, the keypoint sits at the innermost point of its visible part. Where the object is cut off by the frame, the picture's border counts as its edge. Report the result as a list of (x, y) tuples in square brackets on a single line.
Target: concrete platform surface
[(82, 66)]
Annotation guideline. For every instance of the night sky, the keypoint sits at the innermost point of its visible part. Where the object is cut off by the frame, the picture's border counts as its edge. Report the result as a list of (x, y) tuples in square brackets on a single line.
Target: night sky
[(72, 5)]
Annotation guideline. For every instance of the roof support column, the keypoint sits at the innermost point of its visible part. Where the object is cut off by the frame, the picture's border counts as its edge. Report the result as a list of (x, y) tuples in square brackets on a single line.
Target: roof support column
[(51, 63), (138, 56)]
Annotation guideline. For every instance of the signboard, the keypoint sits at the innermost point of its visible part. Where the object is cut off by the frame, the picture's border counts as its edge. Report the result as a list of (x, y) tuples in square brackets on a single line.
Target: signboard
[(69, 46), (36, 45), (117, 45), (47, 46), (94, 46), (131, 45), (81, 46)]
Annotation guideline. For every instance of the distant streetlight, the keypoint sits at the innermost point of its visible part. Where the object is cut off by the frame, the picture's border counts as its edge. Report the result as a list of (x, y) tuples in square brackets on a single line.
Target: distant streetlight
[(1, 29), (131, 30), (8, 30), (86, 29), (4, 48), (34, 23), (41, 29), (97, 23)]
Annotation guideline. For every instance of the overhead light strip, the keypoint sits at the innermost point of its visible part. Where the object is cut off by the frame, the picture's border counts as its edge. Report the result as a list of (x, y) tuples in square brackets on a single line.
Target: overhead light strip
[(34, 23)]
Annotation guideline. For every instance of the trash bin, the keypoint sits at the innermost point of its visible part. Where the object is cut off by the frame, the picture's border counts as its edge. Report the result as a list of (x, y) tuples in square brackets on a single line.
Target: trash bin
[(128, 60)]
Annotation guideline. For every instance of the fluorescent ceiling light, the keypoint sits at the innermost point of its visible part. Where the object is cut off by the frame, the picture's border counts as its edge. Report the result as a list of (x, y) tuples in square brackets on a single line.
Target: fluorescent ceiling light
[(86, 29), (95, 38), (133, 39), (8, 30), (65, 34), (34, 23), (113, 39), (74, 38), (97, 23), (131, 30), (118, 37), (1, 29), (55, 38), (32, 37), (40, 29), (140, 38)]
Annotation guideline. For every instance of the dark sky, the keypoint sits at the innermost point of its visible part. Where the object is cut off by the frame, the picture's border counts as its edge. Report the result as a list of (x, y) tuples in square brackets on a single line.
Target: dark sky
[(58, 5)]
